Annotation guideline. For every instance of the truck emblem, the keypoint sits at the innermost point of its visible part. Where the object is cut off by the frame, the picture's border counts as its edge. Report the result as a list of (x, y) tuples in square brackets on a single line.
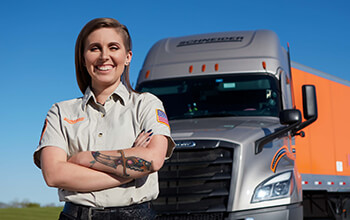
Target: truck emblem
[(185, 143), (283, 151), (210, 40)]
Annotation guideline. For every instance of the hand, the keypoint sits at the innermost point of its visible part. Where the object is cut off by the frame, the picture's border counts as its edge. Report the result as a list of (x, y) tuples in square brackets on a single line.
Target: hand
[(143, 139)]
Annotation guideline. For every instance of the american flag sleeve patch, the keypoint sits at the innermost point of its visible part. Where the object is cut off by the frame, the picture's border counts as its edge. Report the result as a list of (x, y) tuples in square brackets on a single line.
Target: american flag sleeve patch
[(161, 117)]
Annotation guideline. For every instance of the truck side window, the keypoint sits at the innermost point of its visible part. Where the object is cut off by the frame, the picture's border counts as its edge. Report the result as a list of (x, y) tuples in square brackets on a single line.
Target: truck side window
[(286, 90)]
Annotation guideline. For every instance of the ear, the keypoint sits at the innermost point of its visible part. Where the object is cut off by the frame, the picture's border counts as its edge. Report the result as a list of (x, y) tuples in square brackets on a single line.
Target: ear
[(128, 58)]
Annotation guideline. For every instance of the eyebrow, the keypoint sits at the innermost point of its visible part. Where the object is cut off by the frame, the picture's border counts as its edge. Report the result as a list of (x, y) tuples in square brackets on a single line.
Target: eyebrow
[(114, 43), (98, 44)]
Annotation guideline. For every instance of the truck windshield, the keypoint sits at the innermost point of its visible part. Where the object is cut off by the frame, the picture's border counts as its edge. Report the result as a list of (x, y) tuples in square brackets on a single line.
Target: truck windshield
[(217, 96)]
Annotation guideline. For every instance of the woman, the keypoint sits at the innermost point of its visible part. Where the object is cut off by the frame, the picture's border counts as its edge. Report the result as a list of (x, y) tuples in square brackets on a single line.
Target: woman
[(102, 151)]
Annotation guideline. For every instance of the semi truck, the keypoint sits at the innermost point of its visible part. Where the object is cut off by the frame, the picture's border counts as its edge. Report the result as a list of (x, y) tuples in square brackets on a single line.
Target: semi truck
[(257, 135)]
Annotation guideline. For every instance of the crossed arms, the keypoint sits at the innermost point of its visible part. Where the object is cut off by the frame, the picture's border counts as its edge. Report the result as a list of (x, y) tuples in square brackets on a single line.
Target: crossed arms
[(96, 170)]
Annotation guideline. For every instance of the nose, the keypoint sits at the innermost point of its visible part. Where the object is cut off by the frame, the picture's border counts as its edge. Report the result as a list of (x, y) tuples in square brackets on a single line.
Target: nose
[(104, 55)]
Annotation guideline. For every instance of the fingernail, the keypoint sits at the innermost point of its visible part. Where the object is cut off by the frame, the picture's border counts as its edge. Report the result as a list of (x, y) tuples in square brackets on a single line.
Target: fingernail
[(150, 134), (149, 130), (143, 130), (148, 139)]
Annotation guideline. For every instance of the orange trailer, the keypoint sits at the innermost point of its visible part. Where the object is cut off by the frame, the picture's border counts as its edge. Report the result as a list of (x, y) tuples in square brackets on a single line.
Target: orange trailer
[(323, 155)]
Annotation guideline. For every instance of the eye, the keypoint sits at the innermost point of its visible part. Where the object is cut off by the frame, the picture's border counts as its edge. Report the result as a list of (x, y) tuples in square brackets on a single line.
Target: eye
[(114, 48), (93, 49)]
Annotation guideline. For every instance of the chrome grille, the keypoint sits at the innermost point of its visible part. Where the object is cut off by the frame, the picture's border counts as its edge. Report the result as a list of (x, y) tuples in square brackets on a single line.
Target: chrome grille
[(195, 180)]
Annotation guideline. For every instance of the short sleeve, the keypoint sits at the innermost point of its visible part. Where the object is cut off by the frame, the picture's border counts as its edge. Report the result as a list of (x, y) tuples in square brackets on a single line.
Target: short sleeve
[(153, 116), (52, 133)]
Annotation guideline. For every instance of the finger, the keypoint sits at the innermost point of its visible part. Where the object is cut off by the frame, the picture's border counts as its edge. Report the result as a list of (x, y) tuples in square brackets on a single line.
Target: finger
[(141, 138), (144, 139), (146, 142), (142, 132)]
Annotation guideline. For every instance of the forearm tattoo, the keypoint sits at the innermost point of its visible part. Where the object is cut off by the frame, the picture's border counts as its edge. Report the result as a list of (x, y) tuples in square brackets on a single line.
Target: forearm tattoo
[(133, 163)]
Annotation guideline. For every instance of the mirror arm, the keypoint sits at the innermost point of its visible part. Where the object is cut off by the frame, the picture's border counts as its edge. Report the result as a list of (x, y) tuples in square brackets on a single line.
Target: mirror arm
[(259, 144), (304, 124)]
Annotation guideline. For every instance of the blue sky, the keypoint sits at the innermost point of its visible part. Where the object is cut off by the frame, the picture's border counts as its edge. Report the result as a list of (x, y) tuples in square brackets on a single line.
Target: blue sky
[(37, 57)]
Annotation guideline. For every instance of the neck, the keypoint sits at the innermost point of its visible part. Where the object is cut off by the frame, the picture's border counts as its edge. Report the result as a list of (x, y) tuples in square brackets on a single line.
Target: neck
[(102, 93)]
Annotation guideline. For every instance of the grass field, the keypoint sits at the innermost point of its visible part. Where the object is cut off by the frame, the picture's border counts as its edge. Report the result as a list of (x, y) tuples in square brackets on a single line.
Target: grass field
[(47, 213)]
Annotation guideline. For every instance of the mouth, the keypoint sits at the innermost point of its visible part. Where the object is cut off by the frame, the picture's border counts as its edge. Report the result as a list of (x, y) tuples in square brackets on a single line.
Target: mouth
[(104, 67)]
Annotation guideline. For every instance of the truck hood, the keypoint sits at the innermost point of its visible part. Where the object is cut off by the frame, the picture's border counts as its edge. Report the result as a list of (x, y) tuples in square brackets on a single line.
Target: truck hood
[(236, 129)]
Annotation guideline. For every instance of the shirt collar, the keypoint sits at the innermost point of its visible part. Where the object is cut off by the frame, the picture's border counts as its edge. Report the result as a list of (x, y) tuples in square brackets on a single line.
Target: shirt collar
[(120, 92)]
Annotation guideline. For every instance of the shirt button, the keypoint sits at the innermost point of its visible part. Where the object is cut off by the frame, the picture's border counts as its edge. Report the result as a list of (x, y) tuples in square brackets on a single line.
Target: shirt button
[(100, 134)]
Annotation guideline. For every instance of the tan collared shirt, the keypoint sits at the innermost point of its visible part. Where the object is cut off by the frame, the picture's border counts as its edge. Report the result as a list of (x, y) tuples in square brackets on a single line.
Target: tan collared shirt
[(84, 125)]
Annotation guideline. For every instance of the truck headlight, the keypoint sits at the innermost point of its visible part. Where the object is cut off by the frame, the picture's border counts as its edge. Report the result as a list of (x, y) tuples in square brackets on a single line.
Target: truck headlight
[(276, 187)]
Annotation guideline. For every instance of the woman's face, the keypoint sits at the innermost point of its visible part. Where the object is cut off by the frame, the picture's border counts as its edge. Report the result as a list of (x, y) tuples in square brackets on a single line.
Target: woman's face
[(105, 57)]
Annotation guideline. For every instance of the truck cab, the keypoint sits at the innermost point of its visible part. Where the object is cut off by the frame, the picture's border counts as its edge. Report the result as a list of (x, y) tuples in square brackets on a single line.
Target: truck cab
[(229, 101)]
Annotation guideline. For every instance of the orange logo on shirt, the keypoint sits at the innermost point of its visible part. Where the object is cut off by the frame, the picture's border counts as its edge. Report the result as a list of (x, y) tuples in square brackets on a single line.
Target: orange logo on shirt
[(74, 121)]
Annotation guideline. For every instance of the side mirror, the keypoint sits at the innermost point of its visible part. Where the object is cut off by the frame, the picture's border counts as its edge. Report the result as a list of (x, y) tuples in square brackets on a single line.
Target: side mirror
[(309, 101), (309, 106), (290, 116)]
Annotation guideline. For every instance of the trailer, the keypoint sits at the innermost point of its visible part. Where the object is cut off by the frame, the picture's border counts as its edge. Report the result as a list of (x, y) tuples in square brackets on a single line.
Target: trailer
[(257, 136), (323, 155)]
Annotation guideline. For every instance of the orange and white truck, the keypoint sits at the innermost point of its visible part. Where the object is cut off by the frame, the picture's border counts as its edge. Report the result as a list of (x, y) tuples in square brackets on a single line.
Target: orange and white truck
[(257, 136)]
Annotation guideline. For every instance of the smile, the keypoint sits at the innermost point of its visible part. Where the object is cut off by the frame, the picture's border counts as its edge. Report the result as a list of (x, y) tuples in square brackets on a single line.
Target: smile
[(104, 67)]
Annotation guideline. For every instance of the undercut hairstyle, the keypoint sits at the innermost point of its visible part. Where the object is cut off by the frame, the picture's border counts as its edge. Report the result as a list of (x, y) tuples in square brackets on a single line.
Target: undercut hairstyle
[(83, 77)]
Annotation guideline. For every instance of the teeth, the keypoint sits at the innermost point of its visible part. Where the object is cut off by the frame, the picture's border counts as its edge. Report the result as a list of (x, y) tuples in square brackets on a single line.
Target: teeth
[(104, 67)]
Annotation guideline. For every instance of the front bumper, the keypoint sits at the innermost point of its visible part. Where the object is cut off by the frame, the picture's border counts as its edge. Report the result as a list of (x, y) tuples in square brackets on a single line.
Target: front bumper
[(289, 212)]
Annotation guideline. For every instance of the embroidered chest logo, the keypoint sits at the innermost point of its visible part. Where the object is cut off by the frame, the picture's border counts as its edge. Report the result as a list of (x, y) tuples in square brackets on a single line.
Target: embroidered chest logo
[(74, 121), (161, 117)]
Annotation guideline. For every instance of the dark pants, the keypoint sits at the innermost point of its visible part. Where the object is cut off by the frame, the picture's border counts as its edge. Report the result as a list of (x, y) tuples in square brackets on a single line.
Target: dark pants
[(78, 212)]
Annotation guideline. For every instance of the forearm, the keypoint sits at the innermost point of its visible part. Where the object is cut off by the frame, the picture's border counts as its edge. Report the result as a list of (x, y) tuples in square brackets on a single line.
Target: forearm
[(77, 178), (124, 163), (69, 176), (128, 163)]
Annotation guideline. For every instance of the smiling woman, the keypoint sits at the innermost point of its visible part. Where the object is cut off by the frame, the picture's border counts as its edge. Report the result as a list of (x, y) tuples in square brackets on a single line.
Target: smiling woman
[(103, 151), (83, 77), (105, 59)]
